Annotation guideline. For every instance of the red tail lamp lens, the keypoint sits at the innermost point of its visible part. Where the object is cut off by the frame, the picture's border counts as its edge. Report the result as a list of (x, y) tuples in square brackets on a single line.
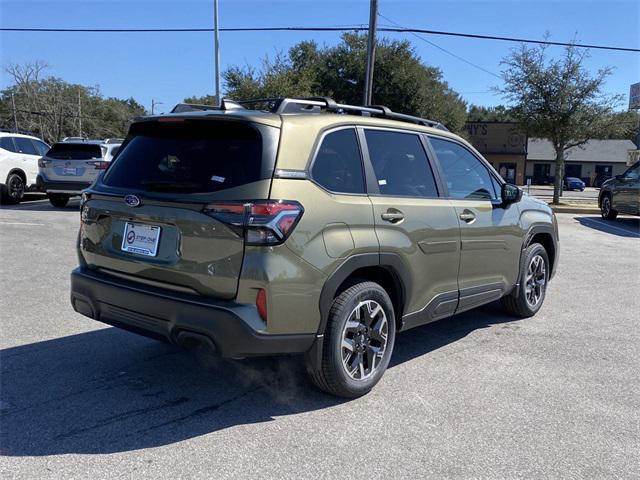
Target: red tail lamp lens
[(264, 222), (261, 304)]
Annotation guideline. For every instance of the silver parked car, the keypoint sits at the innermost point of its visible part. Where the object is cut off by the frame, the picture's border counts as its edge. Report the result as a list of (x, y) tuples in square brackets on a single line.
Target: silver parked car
[(69, 167)]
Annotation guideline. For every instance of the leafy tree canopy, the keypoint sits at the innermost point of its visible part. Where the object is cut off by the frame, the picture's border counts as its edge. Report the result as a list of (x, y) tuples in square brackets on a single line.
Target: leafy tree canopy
[(402, 81), (558, 99), (52, 109)]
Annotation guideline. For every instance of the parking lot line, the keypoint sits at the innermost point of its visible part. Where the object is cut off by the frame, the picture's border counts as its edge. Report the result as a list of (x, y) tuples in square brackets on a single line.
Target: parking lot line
[(23, 223)]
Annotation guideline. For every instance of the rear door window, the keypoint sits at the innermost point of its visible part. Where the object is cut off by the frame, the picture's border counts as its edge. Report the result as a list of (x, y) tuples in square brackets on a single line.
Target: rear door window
[(188, 156), (400, 164), (74, 151), (24, 145), (338, 165)]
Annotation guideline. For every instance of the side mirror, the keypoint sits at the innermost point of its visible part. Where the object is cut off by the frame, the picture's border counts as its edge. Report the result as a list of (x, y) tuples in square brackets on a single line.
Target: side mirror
[(510, 193)]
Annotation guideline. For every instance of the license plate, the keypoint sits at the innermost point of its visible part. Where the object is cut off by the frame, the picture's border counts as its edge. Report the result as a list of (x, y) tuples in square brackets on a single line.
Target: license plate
[(69, 171), (141, 239)]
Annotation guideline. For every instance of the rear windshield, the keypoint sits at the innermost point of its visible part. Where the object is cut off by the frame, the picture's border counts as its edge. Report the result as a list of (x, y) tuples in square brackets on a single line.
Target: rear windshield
[(188, 156), (74, 151)]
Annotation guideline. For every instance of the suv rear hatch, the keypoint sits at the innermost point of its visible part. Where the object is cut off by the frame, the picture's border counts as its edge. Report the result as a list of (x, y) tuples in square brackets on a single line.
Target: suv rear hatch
[(155, 216), (73, 162)]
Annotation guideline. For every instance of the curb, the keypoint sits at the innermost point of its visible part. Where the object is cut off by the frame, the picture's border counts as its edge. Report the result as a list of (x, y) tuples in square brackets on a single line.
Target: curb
[(574, 209)]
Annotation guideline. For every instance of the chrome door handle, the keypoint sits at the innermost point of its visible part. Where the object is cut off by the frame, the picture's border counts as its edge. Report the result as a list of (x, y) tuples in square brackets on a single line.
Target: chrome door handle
[(467, 216), (393, 217)]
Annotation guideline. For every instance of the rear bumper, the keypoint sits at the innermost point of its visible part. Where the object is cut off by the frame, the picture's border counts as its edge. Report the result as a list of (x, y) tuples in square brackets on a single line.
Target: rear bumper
[(60, 187), (226, 326)]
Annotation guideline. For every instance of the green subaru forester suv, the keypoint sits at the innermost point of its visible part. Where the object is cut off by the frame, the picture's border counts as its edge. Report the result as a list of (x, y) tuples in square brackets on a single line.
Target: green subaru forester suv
[(303, 226)]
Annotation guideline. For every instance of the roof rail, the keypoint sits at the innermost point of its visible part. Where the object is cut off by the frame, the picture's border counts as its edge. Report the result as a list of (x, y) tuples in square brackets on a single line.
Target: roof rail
[(318, 104), (225, 104)]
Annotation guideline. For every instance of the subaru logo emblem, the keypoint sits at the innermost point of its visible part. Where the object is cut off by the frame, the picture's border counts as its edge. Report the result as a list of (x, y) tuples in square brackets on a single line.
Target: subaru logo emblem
[(132, 200)]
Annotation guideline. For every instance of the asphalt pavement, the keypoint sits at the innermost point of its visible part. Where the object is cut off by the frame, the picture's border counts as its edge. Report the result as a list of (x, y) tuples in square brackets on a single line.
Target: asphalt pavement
[(481, 395)]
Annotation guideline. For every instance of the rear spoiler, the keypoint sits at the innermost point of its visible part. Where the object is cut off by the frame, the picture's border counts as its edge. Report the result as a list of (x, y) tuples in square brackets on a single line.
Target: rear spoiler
[(225, 104)]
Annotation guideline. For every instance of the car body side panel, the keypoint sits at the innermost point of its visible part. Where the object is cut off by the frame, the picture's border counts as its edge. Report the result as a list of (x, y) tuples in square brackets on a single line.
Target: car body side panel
[(428, 240), (333, 227), (490, 244)]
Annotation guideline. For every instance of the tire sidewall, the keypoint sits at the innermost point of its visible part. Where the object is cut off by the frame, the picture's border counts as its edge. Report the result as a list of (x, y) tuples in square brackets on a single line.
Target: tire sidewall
[(334, 341), (530, 252), (8, 198)]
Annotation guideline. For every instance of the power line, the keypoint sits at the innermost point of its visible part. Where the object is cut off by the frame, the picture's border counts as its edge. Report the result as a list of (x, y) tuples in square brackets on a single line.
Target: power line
[(443, 49), (323, 29)]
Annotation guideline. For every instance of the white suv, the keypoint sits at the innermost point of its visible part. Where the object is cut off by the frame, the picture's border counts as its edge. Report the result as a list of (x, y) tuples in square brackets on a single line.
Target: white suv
[(19, 156)]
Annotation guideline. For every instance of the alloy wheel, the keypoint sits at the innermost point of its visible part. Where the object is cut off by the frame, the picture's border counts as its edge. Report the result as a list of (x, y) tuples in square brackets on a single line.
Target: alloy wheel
[(364, 339), (535, 281), (16, 188), (606, 206)]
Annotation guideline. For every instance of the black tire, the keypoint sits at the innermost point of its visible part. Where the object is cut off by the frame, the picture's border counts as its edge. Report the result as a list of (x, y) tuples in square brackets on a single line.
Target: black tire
[(13, 191), (606, 209), (58, 200), (519, 302), (332, 376)]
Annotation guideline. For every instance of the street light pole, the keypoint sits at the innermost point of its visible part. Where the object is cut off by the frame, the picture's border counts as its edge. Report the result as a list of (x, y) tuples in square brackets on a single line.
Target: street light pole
[(153, 105), (371, 52), (217, 50)]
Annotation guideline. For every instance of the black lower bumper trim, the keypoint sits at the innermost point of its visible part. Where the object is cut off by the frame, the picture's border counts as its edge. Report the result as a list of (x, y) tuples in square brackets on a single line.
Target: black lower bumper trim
[(154, 313), (45, 185)]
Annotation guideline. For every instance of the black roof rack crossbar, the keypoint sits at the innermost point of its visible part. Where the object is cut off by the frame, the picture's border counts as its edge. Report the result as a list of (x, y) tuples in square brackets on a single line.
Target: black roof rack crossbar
[(308, 105), (316, 104)]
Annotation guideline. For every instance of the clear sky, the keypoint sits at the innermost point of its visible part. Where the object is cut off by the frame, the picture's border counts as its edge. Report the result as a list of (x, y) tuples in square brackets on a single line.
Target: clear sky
[(170, 66)]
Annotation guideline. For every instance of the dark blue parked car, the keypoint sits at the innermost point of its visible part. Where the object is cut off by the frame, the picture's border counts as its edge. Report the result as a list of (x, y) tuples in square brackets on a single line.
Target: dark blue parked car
[(573, 183)]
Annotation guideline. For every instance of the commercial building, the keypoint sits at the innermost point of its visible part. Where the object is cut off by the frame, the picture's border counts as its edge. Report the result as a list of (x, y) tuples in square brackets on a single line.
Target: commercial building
[(593, 162), (503, 144)]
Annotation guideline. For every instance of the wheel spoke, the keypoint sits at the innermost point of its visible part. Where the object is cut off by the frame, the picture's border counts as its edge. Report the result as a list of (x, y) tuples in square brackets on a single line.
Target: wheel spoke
[(347, 344), (364, 339)]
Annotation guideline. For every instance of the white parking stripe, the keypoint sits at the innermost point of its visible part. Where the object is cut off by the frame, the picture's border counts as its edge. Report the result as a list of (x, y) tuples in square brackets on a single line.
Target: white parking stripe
[(23, 223), (608, 225)]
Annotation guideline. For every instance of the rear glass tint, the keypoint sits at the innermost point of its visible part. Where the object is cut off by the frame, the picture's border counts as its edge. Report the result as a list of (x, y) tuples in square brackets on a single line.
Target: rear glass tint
[(188, 156), (74, 151)]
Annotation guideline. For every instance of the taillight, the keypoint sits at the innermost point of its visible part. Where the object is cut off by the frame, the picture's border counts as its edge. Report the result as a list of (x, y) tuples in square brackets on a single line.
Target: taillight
[(100, 164), (42, 162), (263, 222), (261, 304)]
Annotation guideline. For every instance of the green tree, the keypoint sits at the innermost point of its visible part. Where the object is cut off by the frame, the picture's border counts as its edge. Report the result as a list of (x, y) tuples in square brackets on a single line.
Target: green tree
[(51, 108), (499, 113), (401, 81), (558, 99)]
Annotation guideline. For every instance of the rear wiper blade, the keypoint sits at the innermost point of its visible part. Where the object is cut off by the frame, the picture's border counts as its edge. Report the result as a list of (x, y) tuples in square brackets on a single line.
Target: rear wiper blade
[(154, 185)]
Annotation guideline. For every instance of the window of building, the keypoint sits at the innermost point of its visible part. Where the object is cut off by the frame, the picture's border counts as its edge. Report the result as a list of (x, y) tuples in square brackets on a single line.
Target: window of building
[(400, 164), (338, 164)]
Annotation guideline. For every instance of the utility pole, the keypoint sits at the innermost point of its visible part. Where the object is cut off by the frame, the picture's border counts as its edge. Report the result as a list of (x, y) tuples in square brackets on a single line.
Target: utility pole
[(217, 49), (371, 52), (15, 117), (153, 105), (79, 115)]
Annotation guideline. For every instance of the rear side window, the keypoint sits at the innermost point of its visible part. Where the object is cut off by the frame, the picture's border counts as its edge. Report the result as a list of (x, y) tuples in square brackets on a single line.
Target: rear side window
[(466, 176), (74, 151), (24, 145), (188, 156), (7, 144), (400, 164), (338, 165)]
